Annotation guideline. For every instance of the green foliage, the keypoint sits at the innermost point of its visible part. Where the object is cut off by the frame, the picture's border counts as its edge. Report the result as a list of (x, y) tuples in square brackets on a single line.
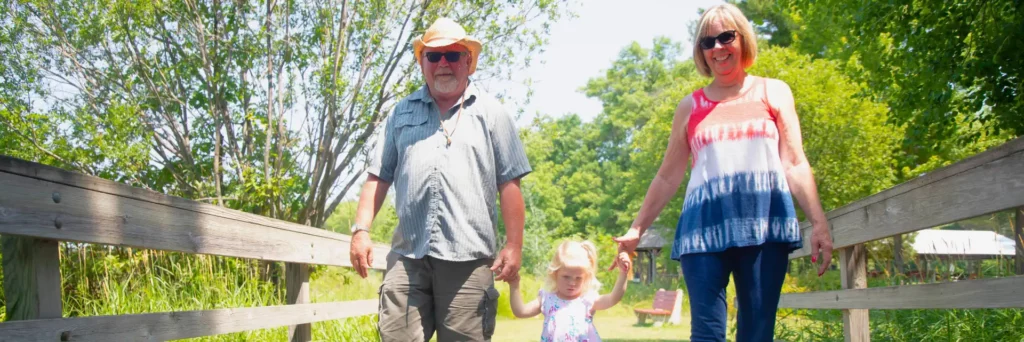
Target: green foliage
[(264, 107), (941, 66), (845, 135), (110, 281), (384, 223)]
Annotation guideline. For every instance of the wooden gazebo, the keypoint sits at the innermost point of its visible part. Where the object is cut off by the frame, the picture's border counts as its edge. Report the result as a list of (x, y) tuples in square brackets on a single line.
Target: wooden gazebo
[(647, 251)]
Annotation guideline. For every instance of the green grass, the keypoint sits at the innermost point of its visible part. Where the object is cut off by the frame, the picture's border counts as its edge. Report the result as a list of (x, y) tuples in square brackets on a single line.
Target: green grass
[(100, 281), (610, 327), (105, 281), (900, 325)]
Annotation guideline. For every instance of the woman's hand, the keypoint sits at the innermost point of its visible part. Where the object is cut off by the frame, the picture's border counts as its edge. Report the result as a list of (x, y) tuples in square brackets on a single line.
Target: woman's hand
[(627, 244), (821, 241)]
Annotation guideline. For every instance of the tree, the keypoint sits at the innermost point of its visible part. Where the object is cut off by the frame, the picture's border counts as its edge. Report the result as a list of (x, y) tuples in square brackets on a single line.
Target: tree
[(384, 223), (937, 64), (260, 106)]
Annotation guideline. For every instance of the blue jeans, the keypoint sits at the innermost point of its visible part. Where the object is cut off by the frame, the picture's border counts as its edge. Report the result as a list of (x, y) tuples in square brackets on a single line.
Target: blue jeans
[(758, 272)]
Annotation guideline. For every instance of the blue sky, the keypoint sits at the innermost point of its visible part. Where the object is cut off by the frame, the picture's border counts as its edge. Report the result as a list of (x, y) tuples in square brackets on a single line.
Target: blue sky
[(584, 47)]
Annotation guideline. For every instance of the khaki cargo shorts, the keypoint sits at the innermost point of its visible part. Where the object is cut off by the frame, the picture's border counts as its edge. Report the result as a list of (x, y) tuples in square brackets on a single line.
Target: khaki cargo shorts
[(420, 296)]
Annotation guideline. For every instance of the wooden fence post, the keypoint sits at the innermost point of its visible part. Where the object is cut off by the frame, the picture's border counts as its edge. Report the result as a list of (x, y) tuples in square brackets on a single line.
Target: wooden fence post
[(853, 265), (1018, 235), (31, 278), (897, 254), (652, 266), (297, 290)]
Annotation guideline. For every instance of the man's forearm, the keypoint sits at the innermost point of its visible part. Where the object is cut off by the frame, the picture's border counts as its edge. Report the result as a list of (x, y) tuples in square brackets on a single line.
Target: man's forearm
[(371, 198), (513, 212)]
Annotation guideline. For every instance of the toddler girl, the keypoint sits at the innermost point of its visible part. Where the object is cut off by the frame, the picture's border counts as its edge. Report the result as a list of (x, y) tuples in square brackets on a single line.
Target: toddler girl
[(570, 296)]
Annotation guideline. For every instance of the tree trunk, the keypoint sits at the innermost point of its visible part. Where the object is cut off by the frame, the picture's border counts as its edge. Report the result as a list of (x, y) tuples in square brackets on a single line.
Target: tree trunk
[(897, 254)]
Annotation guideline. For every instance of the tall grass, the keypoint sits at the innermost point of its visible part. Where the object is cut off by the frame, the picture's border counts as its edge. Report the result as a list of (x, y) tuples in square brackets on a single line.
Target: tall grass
[(99, 280), (903, 325)]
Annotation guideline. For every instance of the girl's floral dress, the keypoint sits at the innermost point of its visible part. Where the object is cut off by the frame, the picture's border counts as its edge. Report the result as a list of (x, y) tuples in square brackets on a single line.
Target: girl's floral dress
[(568, 320)]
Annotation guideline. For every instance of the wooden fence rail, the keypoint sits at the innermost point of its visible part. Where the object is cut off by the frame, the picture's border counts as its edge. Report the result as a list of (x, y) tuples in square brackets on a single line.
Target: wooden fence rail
[(40, 205), (989, 182)]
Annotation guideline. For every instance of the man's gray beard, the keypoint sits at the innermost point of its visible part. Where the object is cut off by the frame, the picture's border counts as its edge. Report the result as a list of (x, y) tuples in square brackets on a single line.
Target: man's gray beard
[(446, 86)]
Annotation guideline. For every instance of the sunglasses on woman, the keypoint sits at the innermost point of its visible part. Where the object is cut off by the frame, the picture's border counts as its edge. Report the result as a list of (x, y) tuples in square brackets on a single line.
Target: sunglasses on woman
[(450, 56), (708, 43)]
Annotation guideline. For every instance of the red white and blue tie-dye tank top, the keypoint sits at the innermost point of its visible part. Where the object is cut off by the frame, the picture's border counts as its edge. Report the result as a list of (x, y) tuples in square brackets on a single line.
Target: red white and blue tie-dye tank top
[(737, 195)]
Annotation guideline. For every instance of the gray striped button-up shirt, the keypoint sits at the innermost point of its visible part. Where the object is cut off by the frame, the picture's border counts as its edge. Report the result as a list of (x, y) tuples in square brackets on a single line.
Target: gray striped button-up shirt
[(446, 195)]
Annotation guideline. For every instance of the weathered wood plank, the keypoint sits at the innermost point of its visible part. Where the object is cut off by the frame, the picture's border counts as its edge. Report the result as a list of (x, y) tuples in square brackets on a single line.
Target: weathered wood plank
[(85, 215), (988, 182), (994, 293), (74, 179), (179, 325), (297, 292), (31, 278), (1018, 235), (853, 263)]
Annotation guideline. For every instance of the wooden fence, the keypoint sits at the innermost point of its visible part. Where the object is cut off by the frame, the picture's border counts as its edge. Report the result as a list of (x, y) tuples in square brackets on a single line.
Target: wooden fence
[(42, 205), (988, 182)]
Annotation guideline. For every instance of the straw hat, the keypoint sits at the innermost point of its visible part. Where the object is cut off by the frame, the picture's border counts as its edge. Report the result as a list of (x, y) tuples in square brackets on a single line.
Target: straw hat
[(444, 32)]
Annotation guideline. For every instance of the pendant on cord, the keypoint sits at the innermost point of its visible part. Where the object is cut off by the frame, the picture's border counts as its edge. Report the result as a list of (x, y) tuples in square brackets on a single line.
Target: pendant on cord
[(449, 141)]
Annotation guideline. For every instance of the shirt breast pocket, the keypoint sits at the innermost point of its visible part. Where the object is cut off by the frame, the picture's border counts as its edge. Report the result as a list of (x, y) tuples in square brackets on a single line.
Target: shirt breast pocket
[(411, 128)]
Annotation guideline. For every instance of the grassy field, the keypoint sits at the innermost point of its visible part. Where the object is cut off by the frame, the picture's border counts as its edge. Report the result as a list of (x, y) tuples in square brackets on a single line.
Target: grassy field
[(611, 328), (101, 281)]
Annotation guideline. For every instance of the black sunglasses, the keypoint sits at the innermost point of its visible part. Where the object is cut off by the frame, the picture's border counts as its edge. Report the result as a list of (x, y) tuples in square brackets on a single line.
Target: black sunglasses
[(450, 56), (708, 43)]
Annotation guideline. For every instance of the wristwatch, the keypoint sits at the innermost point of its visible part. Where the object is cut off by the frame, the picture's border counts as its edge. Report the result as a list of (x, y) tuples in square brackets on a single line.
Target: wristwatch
[(357, 227)]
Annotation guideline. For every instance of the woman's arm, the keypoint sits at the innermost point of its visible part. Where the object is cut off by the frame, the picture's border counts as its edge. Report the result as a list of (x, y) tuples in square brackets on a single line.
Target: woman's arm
[(666, 182), (515, 299), (798, 170), (609, 300)]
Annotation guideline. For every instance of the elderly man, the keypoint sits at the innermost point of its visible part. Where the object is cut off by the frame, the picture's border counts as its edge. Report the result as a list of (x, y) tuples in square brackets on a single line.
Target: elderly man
[(447, 174)]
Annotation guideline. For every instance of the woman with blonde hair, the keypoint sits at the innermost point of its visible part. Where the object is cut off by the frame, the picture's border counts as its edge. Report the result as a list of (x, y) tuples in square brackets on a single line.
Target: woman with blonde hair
[(748, 163), (570, 296)]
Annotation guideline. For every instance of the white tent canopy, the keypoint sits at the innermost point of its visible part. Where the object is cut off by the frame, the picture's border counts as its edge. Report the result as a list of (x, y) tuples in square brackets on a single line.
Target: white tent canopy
[(965, 243)]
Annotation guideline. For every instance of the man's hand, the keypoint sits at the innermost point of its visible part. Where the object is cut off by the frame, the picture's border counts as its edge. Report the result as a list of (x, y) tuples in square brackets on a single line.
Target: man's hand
[(361, 252), (821, 241), (506, 266)]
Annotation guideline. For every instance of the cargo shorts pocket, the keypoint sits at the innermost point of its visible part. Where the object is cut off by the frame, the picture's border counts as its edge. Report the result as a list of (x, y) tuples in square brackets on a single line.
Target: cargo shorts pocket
[(490, 311)]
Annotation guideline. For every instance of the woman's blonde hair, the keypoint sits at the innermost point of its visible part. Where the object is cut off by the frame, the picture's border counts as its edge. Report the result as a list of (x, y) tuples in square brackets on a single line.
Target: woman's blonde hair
[(729, 15), (574, 254)]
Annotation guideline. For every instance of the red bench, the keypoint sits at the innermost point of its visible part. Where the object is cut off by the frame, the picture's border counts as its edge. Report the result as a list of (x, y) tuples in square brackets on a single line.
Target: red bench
[(667, 305)]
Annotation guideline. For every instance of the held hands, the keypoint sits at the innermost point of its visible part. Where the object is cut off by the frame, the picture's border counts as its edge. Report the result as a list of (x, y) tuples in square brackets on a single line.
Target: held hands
[(627, 244), (624, 263), (506, 266), (513, 282)]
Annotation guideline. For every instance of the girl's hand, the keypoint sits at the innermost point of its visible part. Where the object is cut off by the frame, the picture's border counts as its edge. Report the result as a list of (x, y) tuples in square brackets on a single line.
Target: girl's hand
[(627, 244), (513, 282), (624, 262)]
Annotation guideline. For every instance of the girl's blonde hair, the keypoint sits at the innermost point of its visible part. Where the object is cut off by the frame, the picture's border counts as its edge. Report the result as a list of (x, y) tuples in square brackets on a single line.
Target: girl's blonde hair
[(574, 254), (729, 15)]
